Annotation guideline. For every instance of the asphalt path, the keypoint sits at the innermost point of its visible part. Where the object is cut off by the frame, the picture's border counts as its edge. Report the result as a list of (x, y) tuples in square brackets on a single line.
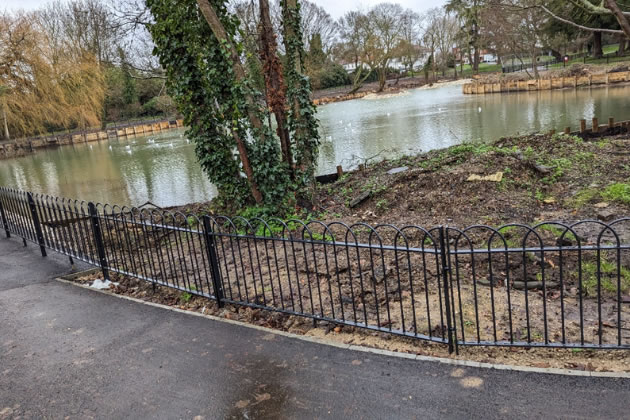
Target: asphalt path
[(68, 352)]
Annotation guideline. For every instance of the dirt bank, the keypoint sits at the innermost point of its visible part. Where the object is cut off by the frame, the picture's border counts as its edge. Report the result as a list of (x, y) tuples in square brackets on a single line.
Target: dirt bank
[(544, 177), (322, 97)]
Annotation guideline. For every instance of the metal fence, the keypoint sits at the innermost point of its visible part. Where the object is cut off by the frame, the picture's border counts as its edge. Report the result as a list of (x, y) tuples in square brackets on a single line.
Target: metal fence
[(545, 64), (550, 285)]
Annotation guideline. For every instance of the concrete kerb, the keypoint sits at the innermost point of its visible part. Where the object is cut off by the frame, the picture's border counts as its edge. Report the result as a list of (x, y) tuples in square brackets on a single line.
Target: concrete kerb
[(332, 343)]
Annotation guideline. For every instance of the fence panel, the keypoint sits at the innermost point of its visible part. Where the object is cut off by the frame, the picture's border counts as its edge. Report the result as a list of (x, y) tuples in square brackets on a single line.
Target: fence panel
[(551, 285), (383, 278)]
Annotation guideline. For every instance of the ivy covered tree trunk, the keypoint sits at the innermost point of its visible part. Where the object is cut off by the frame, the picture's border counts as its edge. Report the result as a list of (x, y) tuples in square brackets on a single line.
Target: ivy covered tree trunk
[(302, 121), (274, 82), (239, 74)]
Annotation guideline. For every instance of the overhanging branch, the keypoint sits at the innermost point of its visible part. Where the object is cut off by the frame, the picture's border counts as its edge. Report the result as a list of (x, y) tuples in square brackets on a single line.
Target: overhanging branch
[(585, 28)]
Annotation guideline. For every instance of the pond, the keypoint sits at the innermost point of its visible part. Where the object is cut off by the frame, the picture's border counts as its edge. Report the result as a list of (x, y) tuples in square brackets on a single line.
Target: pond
[(163, 169)]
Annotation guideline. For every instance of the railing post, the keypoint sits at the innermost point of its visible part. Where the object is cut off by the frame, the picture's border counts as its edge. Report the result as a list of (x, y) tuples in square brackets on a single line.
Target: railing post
[(37, 224), (5, 224), (447, 292), (213, 260), (98, 238)]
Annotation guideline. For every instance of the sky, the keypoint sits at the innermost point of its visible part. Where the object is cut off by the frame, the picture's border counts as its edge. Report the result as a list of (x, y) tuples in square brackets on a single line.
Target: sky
[(335, 7)]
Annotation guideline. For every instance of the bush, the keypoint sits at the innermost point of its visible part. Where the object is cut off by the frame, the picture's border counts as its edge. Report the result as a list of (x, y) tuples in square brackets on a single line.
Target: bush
[(333, 75)]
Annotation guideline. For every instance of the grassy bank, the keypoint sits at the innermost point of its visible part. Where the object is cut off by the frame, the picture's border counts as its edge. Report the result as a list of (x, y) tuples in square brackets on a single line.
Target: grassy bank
[(544, 177)]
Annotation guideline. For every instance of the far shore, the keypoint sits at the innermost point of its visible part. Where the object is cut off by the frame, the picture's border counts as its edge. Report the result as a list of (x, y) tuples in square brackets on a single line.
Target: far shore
[(326, 96)]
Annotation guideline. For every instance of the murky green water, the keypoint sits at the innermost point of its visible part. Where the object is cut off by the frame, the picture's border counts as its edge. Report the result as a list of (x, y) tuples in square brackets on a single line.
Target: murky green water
[(163, 168)]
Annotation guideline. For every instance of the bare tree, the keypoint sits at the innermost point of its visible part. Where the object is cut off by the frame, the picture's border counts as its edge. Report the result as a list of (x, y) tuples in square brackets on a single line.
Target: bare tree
[(409, 49), (381, 34), (316, 21), (353, 44)]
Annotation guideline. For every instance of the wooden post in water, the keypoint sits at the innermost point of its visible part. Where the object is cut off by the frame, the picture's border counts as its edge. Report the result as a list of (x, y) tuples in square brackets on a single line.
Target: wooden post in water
[(582, 126), (552, 132), (567, 130), (339, 171), (595, 125), (611, 122)]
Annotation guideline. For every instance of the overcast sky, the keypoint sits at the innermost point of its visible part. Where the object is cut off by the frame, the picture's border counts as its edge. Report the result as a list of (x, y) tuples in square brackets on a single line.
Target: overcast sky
[(338, 7), (335, 7)]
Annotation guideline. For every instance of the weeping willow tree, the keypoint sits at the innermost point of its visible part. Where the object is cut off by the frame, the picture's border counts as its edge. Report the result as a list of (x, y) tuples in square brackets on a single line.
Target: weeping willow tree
[(248, 156), (43, 88)]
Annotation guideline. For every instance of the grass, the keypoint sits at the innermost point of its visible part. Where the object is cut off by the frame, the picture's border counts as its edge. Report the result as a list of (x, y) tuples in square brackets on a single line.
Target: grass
[(589, 60), (558, 231), (584, 196), (619, 192), (607, 277), (609, 49)]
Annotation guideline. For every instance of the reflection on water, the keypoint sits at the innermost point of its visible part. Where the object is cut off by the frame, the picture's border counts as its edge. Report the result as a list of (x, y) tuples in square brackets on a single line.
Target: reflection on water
[(163, 169), (160, 168)]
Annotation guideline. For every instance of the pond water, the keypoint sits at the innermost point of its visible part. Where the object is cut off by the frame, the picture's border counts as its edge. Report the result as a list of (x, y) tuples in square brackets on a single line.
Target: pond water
[(163, 169)]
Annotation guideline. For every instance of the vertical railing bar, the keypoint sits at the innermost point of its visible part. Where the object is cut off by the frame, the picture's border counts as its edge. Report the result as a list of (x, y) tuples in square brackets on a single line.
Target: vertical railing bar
[(37, 224), (452, 289), (5, 223), (214, 261), (447, 303), (98, 238)]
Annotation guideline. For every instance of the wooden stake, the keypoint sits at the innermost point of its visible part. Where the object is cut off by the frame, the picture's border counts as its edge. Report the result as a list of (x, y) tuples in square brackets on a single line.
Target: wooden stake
[(582, 126), (567, 130), (339, 171), (595, 125), (611, 122)]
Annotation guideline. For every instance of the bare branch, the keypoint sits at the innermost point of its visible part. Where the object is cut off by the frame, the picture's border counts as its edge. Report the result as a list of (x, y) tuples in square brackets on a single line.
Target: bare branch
[(585, 28)]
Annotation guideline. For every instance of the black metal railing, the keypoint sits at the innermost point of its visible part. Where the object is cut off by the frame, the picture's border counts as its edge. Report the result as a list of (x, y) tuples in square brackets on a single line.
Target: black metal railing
[(548, 285)]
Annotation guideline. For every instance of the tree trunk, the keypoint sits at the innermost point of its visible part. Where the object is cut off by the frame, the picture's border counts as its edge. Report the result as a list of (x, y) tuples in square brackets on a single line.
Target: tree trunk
[(623, 20), (556, 54), (597, 45), (274, 82), (622, 46), (5, 120), (292, 46), (477, 59), (357, 82), (382, 79), (239, 73)]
